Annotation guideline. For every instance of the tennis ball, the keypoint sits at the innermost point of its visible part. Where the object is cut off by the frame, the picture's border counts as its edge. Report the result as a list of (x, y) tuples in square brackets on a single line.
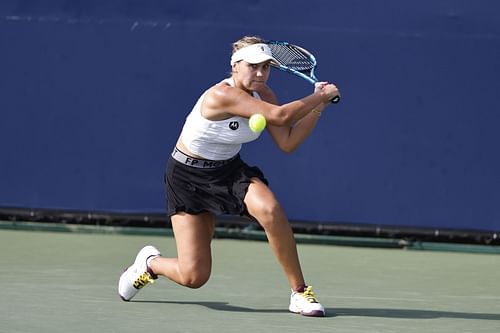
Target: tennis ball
[(257, 123)]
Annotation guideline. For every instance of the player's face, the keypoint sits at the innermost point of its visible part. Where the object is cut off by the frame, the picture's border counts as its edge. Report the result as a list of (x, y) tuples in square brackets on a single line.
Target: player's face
[(253, 76)]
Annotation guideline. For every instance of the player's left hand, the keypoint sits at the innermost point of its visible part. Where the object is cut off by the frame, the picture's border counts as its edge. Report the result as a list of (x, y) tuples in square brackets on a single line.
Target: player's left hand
[(320, 86)]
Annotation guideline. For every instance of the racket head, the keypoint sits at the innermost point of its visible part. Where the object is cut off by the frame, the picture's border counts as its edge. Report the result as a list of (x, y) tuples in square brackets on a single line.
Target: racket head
[(294, 59)]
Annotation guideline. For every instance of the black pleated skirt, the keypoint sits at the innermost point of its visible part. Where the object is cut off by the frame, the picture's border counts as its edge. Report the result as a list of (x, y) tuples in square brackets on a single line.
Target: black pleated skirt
[(218, 190)]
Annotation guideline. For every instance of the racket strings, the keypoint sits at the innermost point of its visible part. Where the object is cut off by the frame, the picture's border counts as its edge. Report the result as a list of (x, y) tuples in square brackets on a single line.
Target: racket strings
[(292, 57)]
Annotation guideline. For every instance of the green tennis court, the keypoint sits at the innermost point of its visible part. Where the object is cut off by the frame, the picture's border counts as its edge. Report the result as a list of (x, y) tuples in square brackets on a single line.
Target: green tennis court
[(66, 282)]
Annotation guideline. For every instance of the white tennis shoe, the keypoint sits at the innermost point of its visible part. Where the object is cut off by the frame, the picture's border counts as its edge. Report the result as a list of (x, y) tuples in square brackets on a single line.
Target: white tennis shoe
[(306, 303), (138, 275)]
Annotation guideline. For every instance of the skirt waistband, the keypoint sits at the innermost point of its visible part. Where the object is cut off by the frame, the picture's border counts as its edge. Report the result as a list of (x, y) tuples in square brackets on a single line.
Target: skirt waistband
[(200, 163)]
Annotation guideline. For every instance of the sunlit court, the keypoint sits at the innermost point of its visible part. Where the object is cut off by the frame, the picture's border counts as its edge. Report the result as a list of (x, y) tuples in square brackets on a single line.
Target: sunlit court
[(249, 166), (55, 282)]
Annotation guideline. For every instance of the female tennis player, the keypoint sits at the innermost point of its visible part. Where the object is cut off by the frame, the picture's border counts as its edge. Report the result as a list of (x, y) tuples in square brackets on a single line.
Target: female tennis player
[(206, 177)]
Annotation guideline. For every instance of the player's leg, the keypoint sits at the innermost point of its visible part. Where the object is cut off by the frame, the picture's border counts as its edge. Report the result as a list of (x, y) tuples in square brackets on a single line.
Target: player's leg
[(263, 206), (193, 265), (191, 268)]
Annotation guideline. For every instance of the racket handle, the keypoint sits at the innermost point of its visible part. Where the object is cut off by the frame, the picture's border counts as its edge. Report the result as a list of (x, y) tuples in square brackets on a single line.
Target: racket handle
[(335, 100)]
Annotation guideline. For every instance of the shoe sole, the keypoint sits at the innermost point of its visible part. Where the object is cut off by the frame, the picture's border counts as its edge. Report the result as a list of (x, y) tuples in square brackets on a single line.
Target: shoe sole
[(315, 313), (123, 298)]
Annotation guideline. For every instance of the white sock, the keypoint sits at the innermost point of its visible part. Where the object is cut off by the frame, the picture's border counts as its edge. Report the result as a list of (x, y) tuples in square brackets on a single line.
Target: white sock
[(148, 261)]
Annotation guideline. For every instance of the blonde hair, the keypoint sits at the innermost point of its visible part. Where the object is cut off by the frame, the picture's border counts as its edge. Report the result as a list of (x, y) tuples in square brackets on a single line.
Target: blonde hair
[(246, 41)]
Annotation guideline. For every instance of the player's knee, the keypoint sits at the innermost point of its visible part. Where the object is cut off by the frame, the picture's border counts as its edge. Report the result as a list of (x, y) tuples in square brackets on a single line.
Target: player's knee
[(195, 278), (195, 281), (269, 214)]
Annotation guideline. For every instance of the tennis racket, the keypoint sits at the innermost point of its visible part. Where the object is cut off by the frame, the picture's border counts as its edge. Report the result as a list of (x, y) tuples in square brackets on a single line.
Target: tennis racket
[(295, 60)]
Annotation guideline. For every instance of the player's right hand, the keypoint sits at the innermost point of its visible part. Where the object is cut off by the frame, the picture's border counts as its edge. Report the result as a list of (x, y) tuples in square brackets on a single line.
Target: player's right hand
[(329, 89)]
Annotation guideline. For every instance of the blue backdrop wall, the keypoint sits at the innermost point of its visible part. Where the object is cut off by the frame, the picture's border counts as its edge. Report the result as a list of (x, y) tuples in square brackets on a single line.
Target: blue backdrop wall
[(93, 95)]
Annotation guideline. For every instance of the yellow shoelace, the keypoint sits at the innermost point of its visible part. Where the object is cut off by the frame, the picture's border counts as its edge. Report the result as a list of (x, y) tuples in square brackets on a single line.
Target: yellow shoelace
[(309, 295), (143, 280)]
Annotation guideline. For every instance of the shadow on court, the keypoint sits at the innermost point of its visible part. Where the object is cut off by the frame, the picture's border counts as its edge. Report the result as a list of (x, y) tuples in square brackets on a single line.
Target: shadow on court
[(219, 306), (345, 312), (412, 314)]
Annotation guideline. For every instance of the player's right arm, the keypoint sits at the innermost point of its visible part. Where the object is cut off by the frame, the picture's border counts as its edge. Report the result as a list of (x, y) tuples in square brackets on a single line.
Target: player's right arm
[(223, 101)]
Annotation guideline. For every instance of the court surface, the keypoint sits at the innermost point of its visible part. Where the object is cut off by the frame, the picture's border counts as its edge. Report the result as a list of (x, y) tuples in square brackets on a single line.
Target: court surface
[(66, 282)]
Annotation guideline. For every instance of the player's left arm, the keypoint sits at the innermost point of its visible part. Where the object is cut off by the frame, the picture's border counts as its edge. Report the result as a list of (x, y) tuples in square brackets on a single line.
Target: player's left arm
[(288, 138)]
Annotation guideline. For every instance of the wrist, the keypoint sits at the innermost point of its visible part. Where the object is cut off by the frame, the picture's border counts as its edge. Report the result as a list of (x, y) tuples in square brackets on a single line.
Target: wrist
[(316, 112)]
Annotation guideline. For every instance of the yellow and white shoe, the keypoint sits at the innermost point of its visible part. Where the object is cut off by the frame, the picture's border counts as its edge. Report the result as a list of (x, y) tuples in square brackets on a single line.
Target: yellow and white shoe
[(138, 275), (305, 303)]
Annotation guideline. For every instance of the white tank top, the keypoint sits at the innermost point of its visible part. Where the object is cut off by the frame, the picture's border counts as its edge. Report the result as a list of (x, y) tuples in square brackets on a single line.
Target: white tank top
[(216, 140)]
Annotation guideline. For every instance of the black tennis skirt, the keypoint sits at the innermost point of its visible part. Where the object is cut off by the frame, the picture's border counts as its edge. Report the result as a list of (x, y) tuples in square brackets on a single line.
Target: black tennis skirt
[(218, 190)]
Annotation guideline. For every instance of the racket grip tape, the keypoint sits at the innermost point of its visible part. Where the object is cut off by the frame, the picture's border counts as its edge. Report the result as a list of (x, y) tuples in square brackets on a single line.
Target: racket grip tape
[(335, 100)]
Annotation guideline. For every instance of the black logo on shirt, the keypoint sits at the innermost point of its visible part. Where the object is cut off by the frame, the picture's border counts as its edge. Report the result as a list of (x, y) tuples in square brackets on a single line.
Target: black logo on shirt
[(234, 125)]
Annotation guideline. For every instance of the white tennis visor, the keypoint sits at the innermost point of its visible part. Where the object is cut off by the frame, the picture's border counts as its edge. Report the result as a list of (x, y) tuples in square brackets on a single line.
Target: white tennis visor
[(253, 54)]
